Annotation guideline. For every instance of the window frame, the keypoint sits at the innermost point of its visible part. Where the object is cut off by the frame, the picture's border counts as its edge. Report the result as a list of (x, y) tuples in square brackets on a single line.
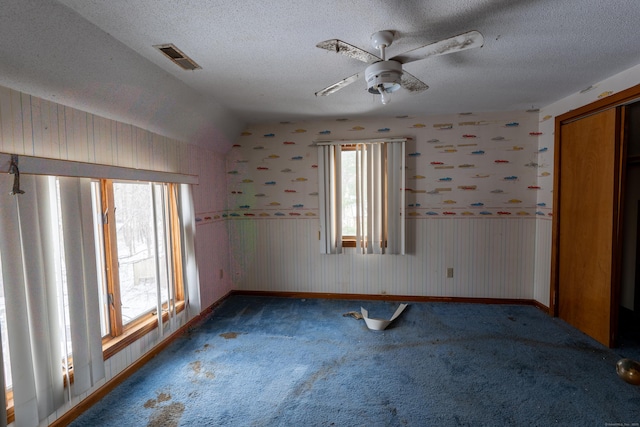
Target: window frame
[(348, 241), (351, 241), (121, 335)]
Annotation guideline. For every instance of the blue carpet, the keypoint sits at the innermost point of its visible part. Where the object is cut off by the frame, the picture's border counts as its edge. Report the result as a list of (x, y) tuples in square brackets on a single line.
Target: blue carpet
[(260, 361)]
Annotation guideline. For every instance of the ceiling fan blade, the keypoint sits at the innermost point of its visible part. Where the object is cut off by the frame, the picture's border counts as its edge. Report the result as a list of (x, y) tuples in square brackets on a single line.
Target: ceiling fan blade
[(338, 46), (339, 85), (469, 40), (412, 83)]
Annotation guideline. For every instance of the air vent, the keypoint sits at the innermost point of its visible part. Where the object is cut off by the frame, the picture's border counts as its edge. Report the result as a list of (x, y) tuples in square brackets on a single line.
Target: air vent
[(179, 58)]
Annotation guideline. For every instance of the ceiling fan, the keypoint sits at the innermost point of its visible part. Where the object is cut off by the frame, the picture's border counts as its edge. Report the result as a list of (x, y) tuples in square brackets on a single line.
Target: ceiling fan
[(384, 76)]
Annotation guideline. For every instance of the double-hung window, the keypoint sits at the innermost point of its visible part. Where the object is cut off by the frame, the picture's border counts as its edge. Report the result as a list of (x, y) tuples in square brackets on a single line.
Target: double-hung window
[(140, 246), (361, 189)]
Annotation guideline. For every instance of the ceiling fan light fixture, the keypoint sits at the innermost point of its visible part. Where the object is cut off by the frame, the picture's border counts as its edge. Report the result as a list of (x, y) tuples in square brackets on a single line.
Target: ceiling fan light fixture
[(384, 96), (386, 76), (383, 78)]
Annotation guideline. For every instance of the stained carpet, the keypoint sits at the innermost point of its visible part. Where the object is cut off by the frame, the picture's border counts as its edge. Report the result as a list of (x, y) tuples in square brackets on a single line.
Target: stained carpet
[(260, 361)]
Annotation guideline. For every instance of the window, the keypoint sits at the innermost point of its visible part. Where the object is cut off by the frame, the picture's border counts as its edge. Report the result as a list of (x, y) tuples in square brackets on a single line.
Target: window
[(362, 196), (134, 258), (80, 279), (349, 194), (143, 274)]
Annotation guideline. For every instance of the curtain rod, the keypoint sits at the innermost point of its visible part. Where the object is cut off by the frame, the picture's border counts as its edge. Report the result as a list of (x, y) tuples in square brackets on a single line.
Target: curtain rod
[(358, 141)]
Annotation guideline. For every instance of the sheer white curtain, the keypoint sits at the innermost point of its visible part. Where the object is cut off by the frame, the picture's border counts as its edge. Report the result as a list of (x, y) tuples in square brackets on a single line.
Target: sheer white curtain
[(380, 177)]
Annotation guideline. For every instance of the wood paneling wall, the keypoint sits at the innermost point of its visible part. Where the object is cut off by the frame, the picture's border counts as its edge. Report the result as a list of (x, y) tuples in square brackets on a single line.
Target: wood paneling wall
[(35, 127)]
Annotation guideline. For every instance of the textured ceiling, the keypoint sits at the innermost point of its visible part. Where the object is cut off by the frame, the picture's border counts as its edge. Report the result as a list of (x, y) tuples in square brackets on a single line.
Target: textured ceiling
[(259, 60)]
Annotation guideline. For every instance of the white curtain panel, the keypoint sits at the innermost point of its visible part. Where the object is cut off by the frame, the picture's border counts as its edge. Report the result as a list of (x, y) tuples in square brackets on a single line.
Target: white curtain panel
[(38, 243), (329, 191), (189, 266), (361, 198), (395, 198), (169, 192), (82, 282), (13, 277), (164, 264), (30, 299), (169, 263), (3, 397), (376, 211), (371, 192), (156, 193)]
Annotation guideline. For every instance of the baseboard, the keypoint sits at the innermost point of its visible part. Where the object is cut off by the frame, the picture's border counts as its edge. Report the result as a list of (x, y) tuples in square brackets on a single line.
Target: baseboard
[(541, 306), (94, 397), (385, 297)]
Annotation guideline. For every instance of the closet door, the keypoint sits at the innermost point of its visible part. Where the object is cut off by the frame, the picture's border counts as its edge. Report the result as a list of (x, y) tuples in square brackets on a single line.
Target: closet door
[(588, 199)]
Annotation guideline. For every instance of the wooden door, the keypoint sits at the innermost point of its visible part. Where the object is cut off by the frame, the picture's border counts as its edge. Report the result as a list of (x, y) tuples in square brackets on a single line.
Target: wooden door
[(588, 202)]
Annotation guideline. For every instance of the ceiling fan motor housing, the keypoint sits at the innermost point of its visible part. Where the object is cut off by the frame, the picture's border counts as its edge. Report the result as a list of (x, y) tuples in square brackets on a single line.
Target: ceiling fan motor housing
[(387, 74)]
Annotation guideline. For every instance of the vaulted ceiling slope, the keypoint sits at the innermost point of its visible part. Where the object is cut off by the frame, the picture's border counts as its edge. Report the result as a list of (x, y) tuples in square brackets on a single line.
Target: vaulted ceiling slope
[(260, 62)]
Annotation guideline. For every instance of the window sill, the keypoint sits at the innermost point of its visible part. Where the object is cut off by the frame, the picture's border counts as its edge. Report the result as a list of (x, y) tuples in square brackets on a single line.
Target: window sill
[(112, 345), (11, 415), (348, 243)]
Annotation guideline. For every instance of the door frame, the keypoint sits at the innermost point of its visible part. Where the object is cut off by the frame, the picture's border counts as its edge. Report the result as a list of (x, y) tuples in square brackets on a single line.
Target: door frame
[(613, 101)]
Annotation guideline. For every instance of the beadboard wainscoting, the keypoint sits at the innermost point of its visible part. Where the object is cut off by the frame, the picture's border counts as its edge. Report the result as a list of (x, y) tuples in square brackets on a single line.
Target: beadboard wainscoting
[(543, 261), (490, 257), (212, 254)]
